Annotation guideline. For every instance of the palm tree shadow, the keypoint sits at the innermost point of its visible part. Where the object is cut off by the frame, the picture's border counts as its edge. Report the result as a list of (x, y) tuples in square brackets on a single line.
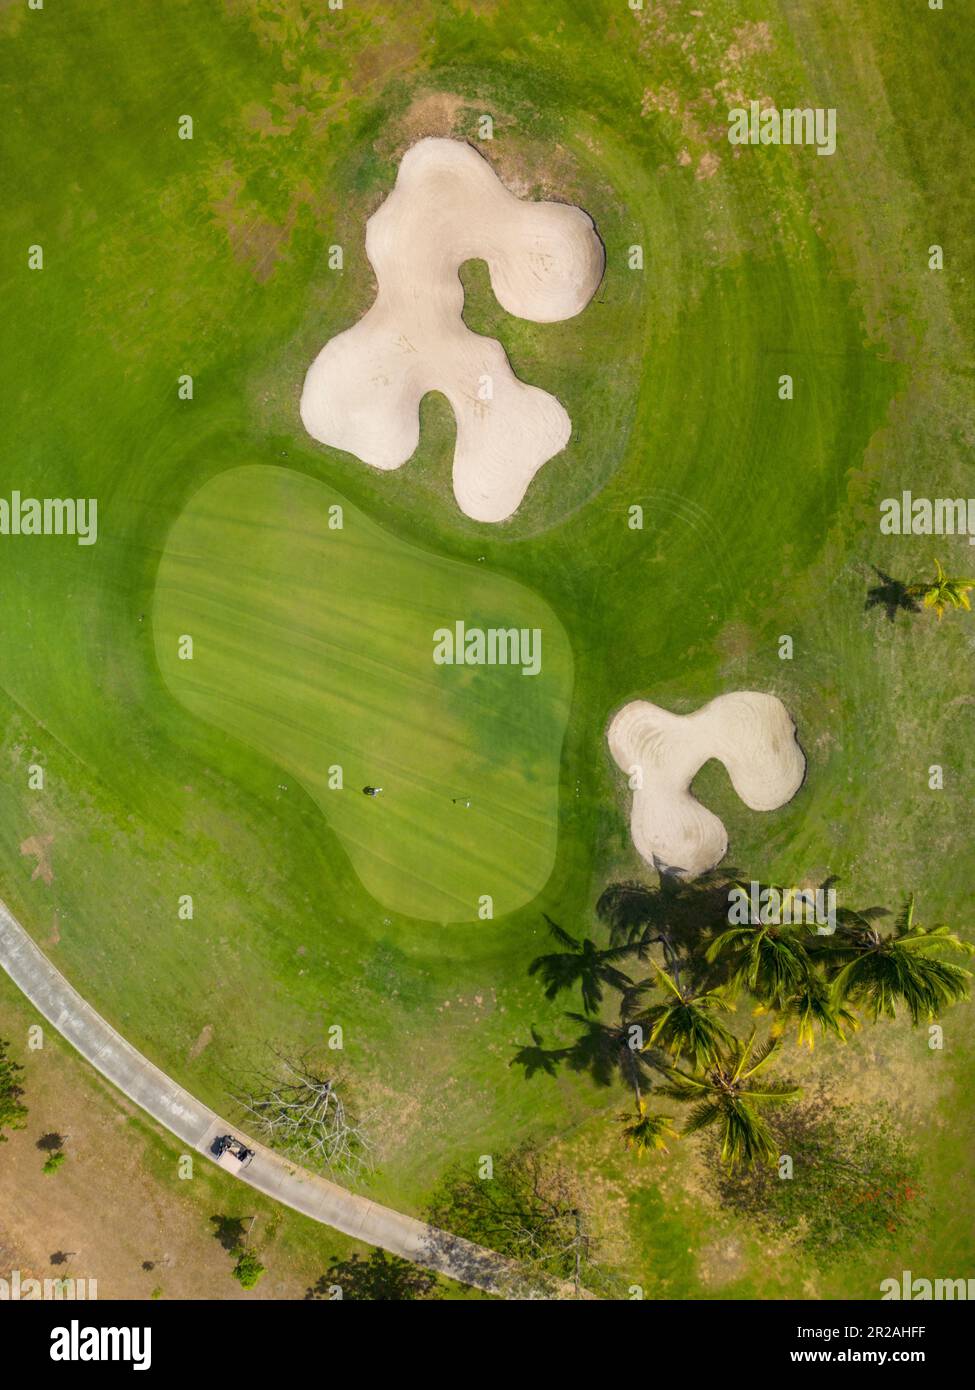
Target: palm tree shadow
[(892, 595), (604, 1051), (580, 962), (680, 913), (536, 1057)]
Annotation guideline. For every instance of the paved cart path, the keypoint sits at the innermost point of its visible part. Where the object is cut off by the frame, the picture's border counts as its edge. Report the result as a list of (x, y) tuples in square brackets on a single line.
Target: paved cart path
[(196, 1126)]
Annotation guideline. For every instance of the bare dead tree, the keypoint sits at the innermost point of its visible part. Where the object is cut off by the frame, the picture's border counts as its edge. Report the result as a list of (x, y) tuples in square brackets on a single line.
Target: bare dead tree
[(304, 1114)]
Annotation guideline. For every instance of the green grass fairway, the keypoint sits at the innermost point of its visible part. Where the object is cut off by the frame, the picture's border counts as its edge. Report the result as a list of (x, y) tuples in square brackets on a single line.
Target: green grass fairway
[(166, 258), (314, 644)]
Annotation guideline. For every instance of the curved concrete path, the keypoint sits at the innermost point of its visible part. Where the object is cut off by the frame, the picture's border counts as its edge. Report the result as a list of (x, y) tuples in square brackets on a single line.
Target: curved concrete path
[(197, 1126)]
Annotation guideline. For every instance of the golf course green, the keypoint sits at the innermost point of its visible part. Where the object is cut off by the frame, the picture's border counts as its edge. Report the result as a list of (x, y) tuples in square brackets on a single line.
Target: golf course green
[(313, 642), (701, 511)]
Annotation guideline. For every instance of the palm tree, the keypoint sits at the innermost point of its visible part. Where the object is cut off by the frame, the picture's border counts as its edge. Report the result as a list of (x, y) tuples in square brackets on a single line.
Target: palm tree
[(815, 1004), (942, 592), (876, 971), (583, 963), (685, 1022), (770, 959), (647, 1132), (726, 1098)]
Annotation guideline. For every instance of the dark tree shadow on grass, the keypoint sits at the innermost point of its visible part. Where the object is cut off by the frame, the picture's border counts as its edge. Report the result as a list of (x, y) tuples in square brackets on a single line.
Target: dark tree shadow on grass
[(380, 1278), (582, 963), (891, 595), (536, 1057), (603, 1050), (50, 1143), (228, 1231), (681, 914)]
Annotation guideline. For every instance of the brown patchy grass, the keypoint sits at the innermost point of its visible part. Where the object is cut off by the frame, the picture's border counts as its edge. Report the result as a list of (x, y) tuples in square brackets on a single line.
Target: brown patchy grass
[(203, 1041), (38, 847), (116, 1211)]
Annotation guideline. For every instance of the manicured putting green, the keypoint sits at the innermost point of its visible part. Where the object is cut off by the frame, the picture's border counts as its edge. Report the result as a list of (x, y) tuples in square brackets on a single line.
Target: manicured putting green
[(314, 644)]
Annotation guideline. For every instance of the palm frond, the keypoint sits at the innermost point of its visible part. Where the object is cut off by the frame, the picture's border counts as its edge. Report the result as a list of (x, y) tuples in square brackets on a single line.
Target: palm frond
[(701, 1117), (647, 1132), (562, 937)]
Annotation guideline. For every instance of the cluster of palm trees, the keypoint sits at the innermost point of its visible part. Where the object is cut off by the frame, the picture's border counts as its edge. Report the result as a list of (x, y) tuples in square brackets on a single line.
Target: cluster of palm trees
[(672, 1031)]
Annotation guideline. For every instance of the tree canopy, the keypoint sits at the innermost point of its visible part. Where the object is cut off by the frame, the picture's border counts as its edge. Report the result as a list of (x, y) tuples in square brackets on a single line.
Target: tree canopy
[(13, 1113)]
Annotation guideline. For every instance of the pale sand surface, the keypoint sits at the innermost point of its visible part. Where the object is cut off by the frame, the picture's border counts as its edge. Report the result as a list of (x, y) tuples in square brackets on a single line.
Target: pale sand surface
[(751, 733), (363, 391)]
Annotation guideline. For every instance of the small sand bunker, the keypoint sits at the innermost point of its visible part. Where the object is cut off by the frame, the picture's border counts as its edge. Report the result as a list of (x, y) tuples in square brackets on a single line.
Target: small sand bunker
[(752, 734), (363, 391)]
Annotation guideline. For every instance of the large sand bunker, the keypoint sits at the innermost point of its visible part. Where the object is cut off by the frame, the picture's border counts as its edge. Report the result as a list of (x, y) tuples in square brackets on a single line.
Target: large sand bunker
[(752, 734), (363, 391)]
